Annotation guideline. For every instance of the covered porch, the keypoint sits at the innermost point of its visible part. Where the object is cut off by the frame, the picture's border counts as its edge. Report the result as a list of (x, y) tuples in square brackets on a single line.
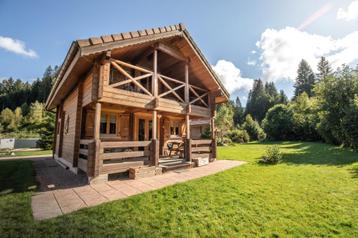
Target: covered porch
[(116, 139)]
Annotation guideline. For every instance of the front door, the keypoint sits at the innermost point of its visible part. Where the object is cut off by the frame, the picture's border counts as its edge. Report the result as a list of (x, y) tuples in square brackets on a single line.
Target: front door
[(144, 130)]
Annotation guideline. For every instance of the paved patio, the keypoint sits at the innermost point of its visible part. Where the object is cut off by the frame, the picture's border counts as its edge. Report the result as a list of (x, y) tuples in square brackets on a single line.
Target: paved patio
[(49, 204)]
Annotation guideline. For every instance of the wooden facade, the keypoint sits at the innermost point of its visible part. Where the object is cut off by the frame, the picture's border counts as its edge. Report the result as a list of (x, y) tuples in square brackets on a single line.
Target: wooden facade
[(123, 100)]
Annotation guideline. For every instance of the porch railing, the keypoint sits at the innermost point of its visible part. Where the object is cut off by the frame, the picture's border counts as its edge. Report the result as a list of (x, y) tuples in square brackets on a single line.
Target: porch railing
[(115, 157), (197, 96), (201, 146)]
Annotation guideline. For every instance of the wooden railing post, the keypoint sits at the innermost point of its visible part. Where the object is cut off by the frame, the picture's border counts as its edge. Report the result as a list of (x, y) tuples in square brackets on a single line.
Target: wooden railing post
[(97, 122), (212, 127), (91, 147), (187, 150), (154, 152)]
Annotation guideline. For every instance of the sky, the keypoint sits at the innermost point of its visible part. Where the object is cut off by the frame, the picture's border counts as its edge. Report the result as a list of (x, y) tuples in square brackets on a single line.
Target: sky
[(242, 40)]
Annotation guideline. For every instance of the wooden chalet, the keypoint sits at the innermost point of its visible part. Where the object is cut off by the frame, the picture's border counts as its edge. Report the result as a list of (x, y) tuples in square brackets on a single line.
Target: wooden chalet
[(125, 101)]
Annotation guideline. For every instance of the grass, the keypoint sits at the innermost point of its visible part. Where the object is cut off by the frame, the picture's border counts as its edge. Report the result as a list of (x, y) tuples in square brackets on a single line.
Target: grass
[(28, 153), (313, 192)]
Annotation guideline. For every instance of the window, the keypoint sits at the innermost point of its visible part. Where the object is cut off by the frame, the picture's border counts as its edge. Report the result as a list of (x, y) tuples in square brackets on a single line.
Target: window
[(174, 129), (112, 124), (108, 123), (103, 127)]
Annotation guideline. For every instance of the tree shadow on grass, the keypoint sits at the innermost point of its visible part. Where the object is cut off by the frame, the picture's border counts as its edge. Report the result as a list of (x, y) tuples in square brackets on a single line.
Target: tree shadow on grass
[(319, 154), (16, 176)]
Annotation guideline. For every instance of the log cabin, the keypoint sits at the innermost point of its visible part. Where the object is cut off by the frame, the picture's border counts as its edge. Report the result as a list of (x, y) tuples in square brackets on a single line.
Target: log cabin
[(125, 101)]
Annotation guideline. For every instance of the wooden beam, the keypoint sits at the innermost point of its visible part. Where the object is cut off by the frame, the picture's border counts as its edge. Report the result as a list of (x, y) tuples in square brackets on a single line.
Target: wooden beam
[(78, 123), (55, 132), (186, 95), (97, 121), (170, 51), (97, 143), (125, 73), (130, 80), (155, 74), (62, 126), (171, 90), (154, 124)]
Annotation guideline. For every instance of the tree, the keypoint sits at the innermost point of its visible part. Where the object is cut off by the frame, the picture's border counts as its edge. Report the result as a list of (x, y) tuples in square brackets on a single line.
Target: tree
[(7, 119), (305, 79), (238, 112), (336, 97), (304, 118), (324, 69), (224, 119), (46, 131), (278, 122), (258, 101), (35, 116), (18, 117), (253, 128), (282, 98)]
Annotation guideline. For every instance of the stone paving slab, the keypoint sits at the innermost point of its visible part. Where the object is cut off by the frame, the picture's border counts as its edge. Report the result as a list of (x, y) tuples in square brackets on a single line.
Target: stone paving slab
[(53, 203)]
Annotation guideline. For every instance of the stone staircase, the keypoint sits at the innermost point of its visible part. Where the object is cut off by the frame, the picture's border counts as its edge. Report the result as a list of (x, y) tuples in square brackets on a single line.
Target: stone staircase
[(170, 164)]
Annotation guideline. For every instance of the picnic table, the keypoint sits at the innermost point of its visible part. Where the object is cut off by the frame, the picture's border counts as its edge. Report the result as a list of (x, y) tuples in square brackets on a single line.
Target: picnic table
[(176, 147)]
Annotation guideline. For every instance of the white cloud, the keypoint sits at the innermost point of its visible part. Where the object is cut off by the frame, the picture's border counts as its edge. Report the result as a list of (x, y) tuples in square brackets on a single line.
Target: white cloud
[(253, 52), (350, 13), (282, 50), (231, 77), (16, 46), (251, 62)]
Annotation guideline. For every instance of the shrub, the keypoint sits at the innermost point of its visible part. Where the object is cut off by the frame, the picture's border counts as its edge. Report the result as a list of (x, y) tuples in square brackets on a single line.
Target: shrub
[(206, 134), (278, 122), (253, 129), (239, 136), (223, 141), (272, 155)]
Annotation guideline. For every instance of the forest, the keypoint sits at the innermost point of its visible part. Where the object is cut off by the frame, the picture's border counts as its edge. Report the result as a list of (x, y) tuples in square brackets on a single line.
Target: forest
[(22, 105), (324, 108)]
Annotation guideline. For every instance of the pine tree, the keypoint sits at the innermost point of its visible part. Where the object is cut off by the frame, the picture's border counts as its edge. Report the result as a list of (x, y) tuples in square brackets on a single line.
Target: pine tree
[(324, 69), (305, 79), (239, 113), (258, 101), (238, 102), (282, 98)]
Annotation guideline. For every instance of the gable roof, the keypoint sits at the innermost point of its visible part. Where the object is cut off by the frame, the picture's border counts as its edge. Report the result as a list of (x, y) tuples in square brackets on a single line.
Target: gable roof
[(86, 47)]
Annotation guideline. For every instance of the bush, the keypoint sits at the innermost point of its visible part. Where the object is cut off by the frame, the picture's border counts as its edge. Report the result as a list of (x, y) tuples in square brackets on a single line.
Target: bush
[(223, 141), (239, 136), (206, 134), (253, 129), (278, 123), (272, 155)]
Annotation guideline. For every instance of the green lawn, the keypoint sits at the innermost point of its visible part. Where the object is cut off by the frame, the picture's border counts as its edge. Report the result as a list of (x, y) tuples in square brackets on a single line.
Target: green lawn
[(28, 153), (313, 192)]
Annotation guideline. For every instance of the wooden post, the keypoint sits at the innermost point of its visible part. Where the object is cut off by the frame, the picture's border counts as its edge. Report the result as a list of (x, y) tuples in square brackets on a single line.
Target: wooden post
[(187, 145), (155, 74), (212, 128), (155, 143), (55, 132), (154, 125), (62, 126), (78, 124), (186, 93), (97, 124)]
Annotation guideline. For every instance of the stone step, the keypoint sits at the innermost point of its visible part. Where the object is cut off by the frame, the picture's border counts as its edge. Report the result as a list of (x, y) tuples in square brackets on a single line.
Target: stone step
[(175, 166)]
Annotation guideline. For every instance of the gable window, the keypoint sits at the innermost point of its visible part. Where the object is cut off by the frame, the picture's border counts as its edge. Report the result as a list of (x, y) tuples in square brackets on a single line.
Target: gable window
[(108, 123)]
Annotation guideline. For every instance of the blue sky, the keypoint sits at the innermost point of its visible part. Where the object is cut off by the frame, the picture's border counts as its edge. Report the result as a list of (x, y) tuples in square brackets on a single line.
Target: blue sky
[(243, 40)]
